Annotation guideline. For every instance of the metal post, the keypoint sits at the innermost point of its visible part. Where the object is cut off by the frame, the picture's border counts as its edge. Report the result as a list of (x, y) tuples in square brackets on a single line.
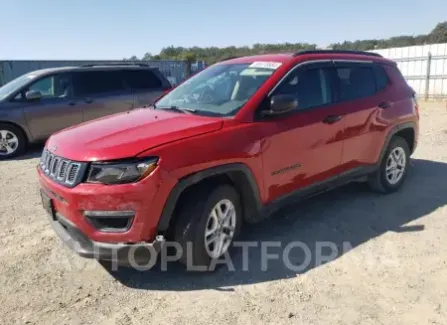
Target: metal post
[(427, 76), (188, 68), (1, 74)]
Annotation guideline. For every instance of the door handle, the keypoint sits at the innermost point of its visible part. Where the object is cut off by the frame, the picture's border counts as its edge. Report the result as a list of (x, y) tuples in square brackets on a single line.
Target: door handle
[(384, 105), (88, 100), (331, 119), (72, 103)]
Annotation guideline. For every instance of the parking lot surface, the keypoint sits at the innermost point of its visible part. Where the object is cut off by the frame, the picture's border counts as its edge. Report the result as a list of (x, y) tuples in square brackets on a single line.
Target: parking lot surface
[(394, 272)]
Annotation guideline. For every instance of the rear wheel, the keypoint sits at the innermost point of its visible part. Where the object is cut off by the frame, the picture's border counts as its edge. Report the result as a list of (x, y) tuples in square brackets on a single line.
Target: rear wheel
[(12, 141), (208, 222), (393, 168)]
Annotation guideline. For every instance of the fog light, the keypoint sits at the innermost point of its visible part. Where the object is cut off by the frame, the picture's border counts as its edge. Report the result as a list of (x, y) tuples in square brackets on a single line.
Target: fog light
[(110, 221)]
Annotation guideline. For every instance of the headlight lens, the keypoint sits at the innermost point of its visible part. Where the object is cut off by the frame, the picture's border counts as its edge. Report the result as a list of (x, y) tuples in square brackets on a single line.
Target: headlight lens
[(121, 172)]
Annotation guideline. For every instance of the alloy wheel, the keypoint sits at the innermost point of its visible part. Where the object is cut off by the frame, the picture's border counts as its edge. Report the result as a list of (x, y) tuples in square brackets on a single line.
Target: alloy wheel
[(395, 165), (220, 228), (9, 143)]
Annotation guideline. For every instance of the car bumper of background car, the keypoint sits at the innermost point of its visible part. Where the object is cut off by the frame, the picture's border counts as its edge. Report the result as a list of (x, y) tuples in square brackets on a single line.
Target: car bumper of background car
[(107, 222)]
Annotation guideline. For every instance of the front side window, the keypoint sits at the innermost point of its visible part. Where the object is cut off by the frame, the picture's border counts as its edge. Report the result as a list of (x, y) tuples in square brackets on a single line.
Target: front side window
[(55, 86), (311, 86), (220, 90)]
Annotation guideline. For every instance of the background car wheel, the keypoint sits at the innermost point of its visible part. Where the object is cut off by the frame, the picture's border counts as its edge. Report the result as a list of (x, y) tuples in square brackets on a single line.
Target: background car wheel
[(210, 221), (393, 169), (12, 141)]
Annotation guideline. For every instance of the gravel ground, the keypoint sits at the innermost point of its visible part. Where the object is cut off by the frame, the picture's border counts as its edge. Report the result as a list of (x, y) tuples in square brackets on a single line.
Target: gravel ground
[(395, 271)]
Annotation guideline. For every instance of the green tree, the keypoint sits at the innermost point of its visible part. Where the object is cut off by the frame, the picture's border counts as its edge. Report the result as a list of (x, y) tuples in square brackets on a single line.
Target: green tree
[(439, 33), (214, 54)]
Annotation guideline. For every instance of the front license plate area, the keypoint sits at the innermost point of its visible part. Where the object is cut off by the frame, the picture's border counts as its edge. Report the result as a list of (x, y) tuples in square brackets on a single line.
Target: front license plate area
[(47, 204)]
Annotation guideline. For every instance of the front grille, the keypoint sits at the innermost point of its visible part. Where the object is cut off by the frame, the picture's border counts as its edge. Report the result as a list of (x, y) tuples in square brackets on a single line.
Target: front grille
[(61, 170)]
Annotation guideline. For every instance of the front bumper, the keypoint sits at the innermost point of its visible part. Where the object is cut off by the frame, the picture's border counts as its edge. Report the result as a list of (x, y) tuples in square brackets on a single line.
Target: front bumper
[(145, 198), (142, 253)]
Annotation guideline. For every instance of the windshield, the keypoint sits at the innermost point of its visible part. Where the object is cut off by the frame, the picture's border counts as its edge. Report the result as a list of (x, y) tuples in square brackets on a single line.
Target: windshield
[(15, 84), (220, 90)]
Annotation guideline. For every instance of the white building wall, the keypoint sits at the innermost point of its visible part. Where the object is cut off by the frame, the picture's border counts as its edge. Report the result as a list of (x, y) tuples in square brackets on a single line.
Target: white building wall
[(413, 62)]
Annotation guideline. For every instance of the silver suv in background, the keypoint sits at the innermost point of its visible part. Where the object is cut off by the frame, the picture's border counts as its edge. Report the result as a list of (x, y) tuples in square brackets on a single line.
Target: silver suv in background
[(40, 103)]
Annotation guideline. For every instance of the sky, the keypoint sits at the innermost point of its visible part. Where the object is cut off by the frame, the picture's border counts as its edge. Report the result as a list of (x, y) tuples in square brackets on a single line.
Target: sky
[(110, 29)]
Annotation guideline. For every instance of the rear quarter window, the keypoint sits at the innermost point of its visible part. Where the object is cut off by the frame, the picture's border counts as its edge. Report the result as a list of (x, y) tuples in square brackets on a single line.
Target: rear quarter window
[(382, 79)]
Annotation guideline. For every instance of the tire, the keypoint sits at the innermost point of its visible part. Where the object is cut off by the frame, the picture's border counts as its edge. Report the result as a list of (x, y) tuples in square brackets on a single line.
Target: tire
[(15, 142), (383, 183), (194, 218)]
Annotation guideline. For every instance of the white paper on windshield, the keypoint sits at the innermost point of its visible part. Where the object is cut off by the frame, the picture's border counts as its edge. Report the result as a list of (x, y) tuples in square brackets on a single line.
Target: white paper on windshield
[(265, 65)]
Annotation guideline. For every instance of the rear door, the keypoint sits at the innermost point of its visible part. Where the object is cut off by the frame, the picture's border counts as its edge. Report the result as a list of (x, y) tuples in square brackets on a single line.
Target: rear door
[(362, 92), (56, 109), (147, 85), (102, 92)]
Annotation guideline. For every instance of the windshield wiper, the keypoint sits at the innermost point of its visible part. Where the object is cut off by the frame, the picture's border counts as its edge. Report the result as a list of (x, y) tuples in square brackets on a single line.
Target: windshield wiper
[(176, 109)]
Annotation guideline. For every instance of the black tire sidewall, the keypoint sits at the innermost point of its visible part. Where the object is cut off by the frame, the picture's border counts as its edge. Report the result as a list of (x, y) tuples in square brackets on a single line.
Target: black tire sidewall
[(193, 221), (395, 143), (19, 134)]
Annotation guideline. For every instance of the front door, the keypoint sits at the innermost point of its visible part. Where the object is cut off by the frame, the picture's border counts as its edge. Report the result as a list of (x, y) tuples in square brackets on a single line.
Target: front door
[(304, 147), (56, 109)]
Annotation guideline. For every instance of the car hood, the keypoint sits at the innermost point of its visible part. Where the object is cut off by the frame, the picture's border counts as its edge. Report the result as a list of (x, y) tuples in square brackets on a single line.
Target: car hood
[(127, 134)]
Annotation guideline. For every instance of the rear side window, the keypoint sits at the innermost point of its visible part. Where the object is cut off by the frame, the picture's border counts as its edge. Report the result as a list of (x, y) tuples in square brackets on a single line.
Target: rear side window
[(142, 79), (356, 81), (99, 82)]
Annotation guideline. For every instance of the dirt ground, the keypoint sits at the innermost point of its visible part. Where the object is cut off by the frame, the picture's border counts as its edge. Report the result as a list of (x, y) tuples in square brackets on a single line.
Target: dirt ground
[(394, 273)]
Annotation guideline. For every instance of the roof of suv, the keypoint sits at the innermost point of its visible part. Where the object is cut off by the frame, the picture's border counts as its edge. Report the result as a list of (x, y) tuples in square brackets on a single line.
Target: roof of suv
[(88, 67), (287, 57)]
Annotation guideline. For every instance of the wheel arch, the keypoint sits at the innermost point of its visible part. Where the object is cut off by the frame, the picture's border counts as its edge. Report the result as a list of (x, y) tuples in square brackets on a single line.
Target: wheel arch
[(407, 130), (20, 127), (237, 174)]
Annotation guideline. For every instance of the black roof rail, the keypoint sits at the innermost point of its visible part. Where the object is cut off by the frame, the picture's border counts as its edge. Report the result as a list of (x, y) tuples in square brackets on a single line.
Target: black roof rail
[(337, 52), (90, 65)]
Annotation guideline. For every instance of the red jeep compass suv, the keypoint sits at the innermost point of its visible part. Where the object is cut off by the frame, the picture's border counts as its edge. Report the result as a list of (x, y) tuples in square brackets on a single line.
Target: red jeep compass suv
[(224, 149)]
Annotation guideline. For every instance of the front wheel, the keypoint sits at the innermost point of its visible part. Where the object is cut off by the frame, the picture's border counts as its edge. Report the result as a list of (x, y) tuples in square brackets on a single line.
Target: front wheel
[(208, 222), (393, 168)]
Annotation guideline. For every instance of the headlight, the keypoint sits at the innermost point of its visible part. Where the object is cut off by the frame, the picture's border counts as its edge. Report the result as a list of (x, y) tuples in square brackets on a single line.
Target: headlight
[(121, 172)]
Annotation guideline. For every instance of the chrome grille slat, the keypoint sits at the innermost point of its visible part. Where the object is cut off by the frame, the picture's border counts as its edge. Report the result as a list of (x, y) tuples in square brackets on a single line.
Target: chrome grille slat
[(47, 162), (54, 166), (43, 158), (61, 170), (72, 173)]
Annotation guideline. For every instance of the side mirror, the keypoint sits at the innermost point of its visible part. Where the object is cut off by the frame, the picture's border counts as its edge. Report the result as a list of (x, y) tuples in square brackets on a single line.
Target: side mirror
[(280, 104), (33, 95)]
